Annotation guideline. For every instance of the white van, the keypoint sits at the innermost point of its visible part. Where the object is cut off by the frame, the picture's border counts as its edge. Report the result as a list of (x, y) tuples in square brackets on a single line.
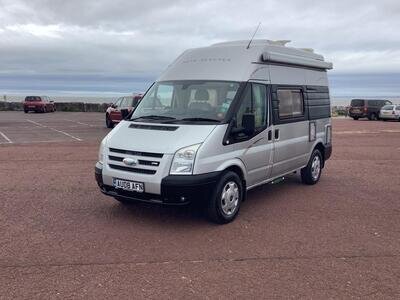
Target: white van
[(218, 122)]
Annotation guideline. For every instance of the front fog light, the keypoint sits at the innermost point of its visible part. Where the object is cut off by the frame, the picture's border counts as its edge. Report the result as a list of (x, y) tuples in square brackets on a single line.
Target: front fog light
[(183, 161)]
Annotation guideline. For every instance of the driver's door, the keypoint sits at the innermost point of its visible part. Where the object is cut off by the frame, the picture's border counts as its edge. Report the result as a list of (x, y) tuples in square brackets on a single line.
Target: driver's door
[(255, 151)]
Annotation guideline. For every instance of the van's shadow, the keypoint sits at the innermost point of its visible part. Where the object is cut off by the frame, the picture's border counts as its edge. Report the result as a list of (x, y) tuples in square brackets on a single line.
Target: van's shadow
[(196, 213)]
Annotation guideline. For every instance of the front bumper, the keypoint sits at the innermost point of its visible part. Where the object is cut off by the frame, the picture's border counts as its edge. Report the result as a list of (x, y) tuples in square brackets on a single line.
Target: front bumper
[(389, 117), (175, 189), (357, 114)]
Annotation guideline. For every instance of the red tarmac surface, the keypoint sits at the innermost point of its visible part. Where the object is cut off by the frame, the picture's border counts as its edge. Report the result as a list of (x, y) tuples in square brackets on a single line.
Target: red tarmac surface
[(61, 238)]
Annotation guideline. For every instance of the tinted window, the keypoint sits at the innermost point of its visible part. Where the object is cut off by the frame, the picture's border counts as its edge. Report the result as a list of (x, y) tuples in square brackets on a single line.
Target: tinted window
[(254, 101), (32, 98), (290, 103), (357, 102)]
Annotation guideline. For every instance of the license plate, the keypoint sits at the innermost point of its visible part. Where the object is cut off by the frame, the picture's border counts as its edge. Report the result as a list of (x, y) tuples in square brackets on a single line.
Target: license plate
[(127, 185), (356, 110)]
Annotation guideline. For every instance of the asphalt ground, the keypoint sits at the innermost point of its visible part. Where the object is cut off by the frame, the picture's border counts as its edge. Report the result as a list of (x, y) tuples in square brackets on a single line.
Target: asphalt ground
[(61, 238)]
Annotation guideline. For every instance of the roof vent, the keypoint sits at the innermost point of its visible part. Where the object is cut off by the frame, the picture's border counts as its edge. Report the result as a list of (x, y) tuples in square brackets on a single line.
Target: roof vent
[(279, 42), (307, 49)]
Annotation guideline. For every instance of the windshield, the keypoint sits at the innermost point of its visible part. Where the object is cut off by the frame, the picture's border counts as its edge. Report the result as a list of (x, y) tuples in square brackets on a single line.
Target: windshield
[(388, 107), (195, 101)]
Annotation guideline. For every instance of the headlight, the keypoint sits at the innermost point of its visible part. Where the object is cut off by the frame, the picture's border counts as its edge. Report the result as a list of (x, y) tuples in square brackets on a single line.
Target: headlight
[(101, 150), (183, 162)]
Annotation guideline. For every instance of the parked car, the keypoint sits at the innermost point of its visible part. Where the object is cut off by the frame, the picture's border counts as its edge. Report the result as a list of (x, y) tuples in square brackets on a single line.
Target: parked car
[(366, 108), (39, 104), (121, 108), (390, 112), (211, 129)]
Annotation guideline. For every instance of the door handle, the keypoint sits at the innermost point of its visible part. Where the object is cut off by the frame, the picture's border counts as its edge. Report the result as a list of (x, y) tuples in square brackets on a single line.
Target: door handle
[(276, 134), (269, 135)]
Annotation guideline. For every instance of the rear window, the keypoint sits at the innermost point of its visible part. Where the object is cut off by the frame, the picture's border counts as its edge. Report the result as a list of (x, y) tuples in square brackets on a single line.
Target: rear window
[(398, 107), (388, 107), (357, 102), (32, 98)]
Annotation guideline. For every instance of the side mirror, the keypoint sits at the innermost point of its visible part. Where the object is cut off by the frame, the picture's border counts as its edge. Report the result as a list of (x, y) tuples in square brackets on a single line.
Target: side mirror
[(249, 124)]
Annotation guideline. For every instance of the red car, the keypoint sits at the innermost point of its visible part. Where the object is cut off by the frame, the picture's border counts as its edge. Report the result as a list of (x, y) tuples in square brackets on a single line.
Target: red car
[(122, 107), (39, 104)]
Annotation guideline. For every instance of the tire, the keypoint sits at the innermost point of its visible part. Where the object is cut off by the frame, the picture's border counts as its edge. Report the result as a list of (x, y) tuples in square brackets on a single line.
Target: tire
[(309, 174), (220, 209), (372, 117), (25, 111), (44, 109), (109, 123), (355, 118)]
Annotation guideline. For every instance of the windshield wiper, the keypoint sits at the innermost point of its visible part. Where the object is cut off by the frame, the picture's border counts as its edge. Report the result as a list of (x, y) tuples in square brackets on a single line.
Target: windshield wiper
[(200, 120), (153, 117)]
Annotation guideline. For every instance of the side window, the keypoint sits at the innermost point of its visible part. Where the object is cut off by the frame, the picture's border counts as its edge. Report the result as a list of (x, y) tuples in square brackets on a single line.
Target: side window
[(118, 102), (126, 102), (254, 101), (291, 103), (398, 107)]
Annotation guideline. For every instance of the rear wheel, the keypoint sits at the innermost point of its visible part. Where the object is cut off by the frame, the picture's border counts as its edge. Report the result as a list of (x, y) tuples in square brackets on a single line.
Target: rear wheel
[(311, 173), (224, 205), (109, 122), (355, 118), (372, 117), (25, 111), (44, 109)]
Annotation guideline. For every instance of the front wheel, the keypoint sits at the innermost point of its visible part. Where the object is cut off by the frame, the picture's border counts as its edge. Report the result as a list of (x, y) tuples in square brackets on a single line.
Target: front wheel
[(224, 205), (109, 123), (311, 173)]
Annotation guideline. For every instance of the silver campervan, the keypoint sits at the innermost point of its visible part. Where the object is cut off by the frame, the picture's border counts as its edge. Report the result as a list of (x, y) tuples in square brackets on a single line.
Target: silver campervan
[(219, 121)]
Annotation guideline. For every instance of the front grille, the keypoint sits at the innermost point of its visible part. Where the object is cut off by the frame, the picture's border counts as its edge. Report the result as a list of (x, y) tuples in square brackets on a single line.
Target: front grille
[(140, 161), (137, 153), (132, 170)]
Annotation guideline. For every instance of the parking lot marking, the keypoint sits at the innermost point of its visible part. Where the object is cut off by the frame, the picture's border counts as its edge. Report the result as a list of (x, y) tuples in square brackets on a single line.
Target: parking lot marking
[(53, 129), (82, 123), (6, 138)]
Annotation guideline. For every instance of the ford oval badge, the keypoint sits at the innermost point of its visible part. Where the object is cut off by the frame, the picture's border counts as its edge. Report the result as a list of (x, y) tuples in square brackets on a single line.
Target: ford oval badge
[(130, 161)]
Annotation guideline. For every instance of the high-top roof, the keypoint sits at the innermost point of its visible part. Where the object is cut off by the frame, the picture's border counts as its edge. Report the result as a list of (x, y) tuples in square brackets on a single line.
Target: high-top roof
[(236, 61)]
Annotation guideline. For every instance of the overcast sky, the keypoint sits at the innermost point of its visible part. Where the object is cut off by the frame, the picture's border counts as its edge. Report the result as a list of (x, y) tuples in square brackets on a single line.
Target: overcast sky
[(136, 40)]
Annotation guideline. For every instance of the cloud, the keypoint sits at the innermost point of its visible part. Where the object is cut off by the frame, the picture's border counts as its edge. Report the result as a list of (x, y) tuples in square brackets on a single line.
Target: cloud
[(141, 38)]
